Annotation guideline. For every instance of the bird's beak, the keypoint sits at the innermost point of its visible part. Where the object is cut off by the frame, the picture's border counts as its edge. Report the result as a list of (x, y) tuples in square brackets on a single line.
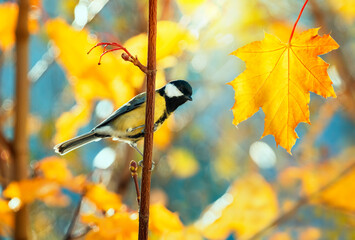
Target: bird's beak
[(189, 98)]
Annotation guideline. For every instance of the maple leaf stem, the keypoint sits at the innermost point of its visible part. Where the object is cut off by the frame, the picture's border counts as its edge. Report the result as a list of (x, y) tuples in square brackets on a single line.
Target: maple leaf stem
[(299, 16)]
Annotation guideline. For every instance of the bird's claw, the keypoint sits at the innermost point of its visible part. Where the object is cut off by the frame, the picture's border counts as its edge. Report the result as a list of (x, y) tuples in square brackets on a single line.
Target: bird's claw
[(140, 163)]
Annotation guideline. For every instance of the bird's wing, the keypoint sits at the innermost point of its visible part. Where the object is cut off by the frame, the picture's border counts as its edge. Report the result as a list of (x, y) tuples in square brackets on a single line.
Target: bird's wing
[(131, 105)]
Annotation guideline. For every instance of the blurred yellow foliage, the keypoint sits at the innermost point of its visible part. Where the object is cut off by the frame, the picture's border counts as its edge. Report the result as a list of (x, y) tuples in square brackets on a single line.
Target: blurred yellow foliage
[(123, 224), (189, 6), (54, 168), (281, 236), (310, 233), (6, 218), (163, 221), (102, 198), (249, 204), (339, 193), (8, 20), (30, 190), (114, 79), (346, 8), (182, 162), (120, 226)]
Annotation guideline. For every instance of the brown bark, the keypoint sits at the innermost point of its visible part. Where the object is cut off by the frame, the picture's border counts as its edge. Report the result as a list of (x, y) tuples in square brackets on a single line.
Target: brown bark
[(149, 122), (20, 145)]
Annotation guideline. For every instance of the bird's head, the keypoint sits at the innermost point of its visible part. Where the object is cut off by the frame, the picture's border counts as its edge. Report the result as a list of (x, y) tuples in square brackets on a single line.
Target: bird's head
[(177, 93)]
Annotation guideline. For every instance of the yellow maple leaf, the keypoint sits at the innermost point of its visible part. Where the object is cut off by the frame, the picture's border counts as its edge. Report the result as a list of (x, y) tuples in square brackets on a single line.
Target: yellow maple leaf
[(248, 205), (278, 78)]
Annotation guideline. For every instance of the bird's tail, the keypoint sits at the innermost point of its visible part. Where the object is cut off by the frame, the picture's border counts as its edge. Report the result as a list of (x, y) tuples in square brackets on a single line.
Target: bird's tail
[(76, 142)]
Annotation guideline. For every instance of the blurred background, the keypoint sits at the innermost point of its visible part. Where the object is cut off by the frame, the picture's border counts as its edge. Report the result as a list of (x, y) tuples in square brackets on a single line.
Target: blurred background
[(222, 179)]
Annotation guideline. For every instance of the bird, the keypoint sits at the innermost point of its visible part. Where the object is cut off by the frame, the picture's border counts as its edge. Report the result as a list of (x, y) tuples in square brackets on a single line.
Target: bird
[(126, 124)]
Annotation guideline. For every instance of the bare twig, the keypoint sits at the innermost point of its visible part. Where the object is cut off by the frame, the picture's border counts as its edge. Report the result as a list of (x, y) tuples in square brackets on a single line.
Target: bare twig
[(133, 167), (5, 143), (127, 56), (302, 201), (68, 235), (149, 122), (21, 113)]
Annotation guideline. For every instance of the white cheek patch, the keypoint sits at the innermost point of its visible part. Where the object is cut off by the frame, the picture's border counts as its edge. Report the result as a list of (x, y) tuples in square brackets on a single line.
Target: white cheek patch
[(172, 91)]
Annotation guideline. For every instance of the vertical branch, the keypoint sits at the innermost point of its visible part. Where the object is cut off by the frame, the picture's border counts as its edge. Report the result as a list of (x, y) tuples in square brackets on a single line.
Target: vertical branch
[(20, 145), (149, 122)]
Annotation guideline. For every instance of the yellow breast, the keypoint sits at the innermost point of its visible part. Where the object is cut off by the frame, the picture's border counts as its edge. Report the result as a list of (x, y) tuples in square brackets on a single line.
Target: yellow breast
[(135, 119)]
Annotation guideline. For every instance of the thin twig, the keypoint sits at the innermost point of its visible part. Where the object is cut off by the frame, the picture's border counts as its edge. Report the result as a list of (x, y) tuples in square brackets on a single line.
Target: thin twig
[(149, 122), (68, 235), (133, 167), (302, 201), (5, 143), (127, 56), (21, 113)]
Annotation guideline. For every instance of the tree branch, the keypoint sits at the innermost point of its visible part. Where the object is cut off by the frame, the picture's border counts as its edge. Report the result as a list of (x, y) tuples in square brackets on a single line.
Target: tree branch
[(149, 122), (20, 145), (302, 201)]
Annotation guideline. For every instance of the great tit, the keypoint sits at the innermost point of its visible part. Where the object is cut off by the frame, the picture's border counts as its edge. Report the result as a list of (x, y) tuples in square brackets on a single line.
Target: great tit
[(126, 124)]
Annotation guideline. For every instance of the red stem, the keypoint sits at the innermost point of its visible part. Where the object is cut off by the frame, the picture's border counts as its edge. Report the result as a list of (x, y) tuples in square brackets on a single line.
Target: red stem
[(294, 26)]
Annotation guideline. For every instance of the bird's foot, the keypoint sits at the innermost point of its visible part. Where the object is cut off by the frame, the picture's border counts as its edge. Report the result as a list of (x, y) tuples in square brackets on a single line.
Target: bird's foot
[(140, 163)]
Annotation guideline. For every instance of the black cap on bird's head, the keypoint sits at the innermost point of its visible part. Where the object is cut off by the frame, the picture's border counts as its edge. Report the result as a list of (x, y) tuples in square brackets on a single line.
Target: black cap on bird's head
[(178, 88), (177, 93)]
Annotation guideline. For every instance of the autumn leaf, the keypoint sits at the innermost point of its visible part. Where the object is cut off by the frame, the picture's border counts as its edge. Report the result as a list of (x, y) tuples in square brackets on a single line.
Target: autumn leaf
[(248, 205), (278, 78)]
